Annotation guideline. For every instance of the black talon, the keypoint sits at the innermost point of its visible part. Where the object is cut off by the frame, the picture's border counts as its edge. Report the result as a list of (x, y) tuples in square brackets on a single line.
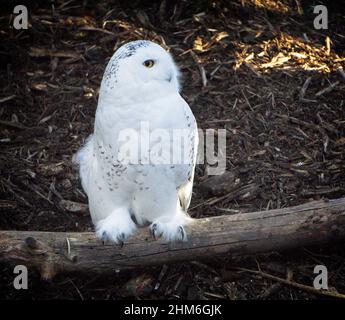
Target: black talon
[(121, 243), (182, 232), (153, 230), (104, 237), (121, 240)]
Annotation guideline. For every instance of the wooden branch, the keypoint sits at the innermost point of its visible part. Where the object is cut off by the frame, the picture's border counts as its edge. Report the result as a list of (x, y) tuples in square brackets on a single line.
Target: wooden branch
[(314, 223), (297, 285)]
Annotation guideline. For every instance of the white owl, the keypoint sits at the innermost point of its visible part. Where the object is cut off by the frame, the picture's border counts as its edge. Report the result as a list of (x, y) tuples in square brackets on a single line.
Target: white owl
[(140, 85)]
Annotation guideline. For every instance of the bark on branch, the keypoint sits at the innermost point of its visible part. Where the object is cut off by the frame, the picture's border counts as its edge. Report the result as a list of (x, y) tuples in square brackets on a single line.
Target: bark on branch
[(314, 223)]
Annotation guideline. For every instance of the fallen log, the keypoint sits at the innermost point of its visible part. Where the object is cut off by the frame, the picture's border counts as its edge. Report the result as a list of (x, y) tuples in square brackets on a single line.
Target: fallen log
[(313, 223)]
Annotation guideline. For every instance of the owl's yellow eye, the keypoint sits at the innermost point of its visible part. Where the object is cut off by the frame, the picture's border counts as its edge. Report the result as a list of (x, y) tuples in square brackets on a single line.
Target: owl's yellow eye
[(149, 63)]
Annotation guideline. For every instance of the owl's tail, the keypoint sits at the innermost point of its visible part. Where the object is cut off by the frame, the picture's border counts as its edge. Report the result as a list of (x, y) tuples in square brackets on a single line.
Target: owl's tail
[(83, 159)]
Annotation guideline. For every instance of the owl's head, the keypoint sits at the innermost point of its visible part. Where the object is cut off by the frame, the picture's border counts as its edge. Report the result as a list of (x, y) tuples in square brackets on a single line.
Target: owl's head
[(141, 65)]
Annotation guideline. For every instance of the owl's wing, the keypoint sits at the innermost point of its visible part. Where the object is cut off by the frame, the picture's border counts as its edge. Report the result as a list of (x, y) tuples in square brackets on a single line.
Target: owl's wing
[(185, 195), (84, 159), (185, 190)]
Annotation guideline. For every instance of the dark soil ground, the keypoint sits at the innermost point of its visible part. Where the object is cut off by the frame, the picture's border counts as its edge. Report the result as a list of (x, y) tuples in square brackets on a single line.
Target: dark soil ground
[(266, 68)]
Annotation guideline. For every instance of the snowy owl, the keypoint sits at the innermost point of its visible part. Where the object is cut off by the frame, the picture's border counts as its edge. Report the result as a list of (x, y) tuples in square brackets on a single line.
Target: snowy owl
[(140, 111)]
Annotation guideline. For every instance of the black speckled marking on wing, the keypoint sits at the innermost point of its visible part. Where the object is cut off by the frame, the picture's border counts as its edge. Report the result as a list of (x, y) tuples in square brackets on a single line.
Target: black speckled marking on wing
[(124, 52)]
